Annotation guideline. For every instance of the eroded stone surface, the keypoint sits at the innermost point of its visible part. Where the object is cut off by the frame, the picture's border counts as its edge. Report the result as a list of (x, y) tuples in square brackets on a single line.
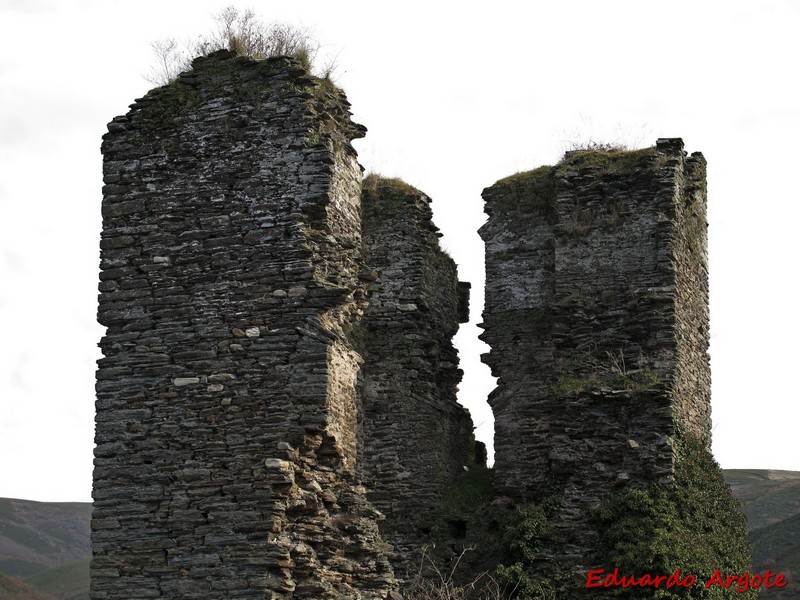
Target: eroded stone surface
[(416, 438), (226, 398), (597, 318), (271, 379)]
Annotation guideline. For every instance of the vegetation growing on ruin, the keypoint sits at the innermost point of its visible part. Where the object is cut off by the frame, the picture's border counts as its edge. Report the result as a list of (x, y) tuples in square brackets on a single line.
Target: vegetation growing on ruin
[(532, 194), (526, 177), (375, 182), (609, 159), (385, 196), (693, 524), (433, 582), (244, 34), (499, 544), (644, 379), (609, 371), (532, 191), (171, 103), (523, 539)]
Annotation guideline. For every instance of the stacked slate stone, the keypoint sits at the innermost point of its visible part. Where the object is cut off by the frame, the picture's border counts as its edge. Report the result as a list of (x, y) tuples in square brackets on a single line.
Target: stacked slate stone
[(596, 314), (416, 438), (226, 398)]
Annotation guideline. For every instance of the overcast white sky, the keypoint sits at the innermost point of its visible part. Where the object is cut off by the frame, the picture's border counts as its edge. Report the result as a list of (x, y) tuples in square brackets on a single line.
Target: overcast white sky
[(454, 98)]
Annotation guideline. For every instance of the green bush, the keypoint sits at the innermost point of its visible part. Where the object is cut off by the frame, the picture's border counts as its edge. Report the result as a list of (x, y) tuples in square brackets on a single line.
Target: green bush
[(694, 525), (523, 539)]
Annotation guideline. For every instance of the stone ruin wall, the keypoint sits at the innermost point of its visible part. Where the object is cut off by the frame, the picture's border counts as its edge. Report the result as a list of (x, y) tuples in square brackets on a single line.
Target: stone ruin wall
[(597, 317), (416, 437), (226, 398), (242, 398), (692, 382), (278, 365)]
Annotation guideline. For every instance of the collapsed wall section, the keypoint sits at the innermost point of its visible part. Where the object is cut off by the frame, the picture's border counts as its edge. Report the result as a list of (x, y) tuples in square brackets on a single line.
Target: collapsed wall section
[(226, 398), (415, 437)]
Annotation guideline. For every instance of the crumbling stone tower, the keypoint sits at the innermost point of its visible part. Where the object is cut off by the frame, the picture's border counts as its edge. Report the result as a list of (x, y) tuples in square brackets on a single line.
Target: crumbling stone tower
[(226, 399), (597, 317), (415, 438), (278, 359)]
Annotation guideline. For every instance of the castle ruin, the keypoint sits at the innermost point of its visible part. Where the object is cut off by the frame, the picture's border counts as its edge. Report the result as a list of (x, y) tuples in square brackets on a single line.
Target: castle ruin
[(276, 410)]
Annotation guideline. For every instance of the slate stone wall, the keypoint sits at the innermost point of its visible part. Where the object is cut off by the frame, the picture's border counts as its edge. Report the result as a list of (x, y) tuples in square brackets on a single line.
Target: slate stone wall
[(227, 406), (597, 317), (416, 438), (278, 376)]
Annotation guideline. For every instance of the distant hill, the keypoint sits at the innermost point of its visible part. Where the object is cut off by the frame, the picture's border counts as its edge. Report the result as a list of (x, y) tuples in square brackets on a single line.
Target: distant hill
[(44, 545), (45, 548), (68, 582), (12, 588), (771, 501)]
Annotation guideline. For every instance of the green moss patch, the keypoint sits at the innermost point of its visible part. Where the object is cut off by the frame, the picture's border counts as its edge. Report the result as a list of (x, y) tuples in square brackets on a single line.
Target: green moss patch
[(639, 381), (168, 103), (612, 160), (375, 183), (386, 196), (524, 193)]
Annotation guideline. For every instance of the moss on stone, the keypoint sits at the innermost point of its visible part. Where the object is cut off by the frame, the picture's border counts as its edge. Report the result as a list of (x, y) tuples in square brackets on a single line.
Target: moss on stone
[(374, 182), (611, 160), (693, 524), (168, 103), (529, 193), (526, 177), (385, 196), (639, 381)]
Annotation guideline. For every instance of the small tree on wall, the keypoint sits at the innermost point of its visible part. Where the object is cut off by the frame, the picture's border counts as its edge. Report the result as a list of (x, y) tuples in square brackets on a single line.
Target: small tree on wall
[(241, 32)]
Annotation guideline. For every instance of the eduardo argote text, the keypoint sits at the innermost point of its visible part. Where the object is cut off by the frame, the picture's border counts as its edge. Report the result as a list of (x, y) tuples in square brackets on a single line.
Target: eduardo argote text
[(600, 578)]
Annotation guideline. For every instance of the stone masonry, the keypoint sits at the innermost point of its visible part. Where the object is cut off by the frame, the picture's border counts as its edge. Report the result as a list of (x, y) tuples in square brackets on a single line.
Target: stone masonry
[(276, 402), (226, 399), (416, 438), (597, 317)]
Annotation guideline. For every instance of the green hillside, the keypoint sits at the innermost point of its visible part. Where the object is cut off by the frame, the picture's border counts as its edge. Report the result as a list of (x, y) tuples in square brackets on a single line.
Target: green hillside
[(47, 545), (771, 501), (12, 588), (68, 582), (768, 497)]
